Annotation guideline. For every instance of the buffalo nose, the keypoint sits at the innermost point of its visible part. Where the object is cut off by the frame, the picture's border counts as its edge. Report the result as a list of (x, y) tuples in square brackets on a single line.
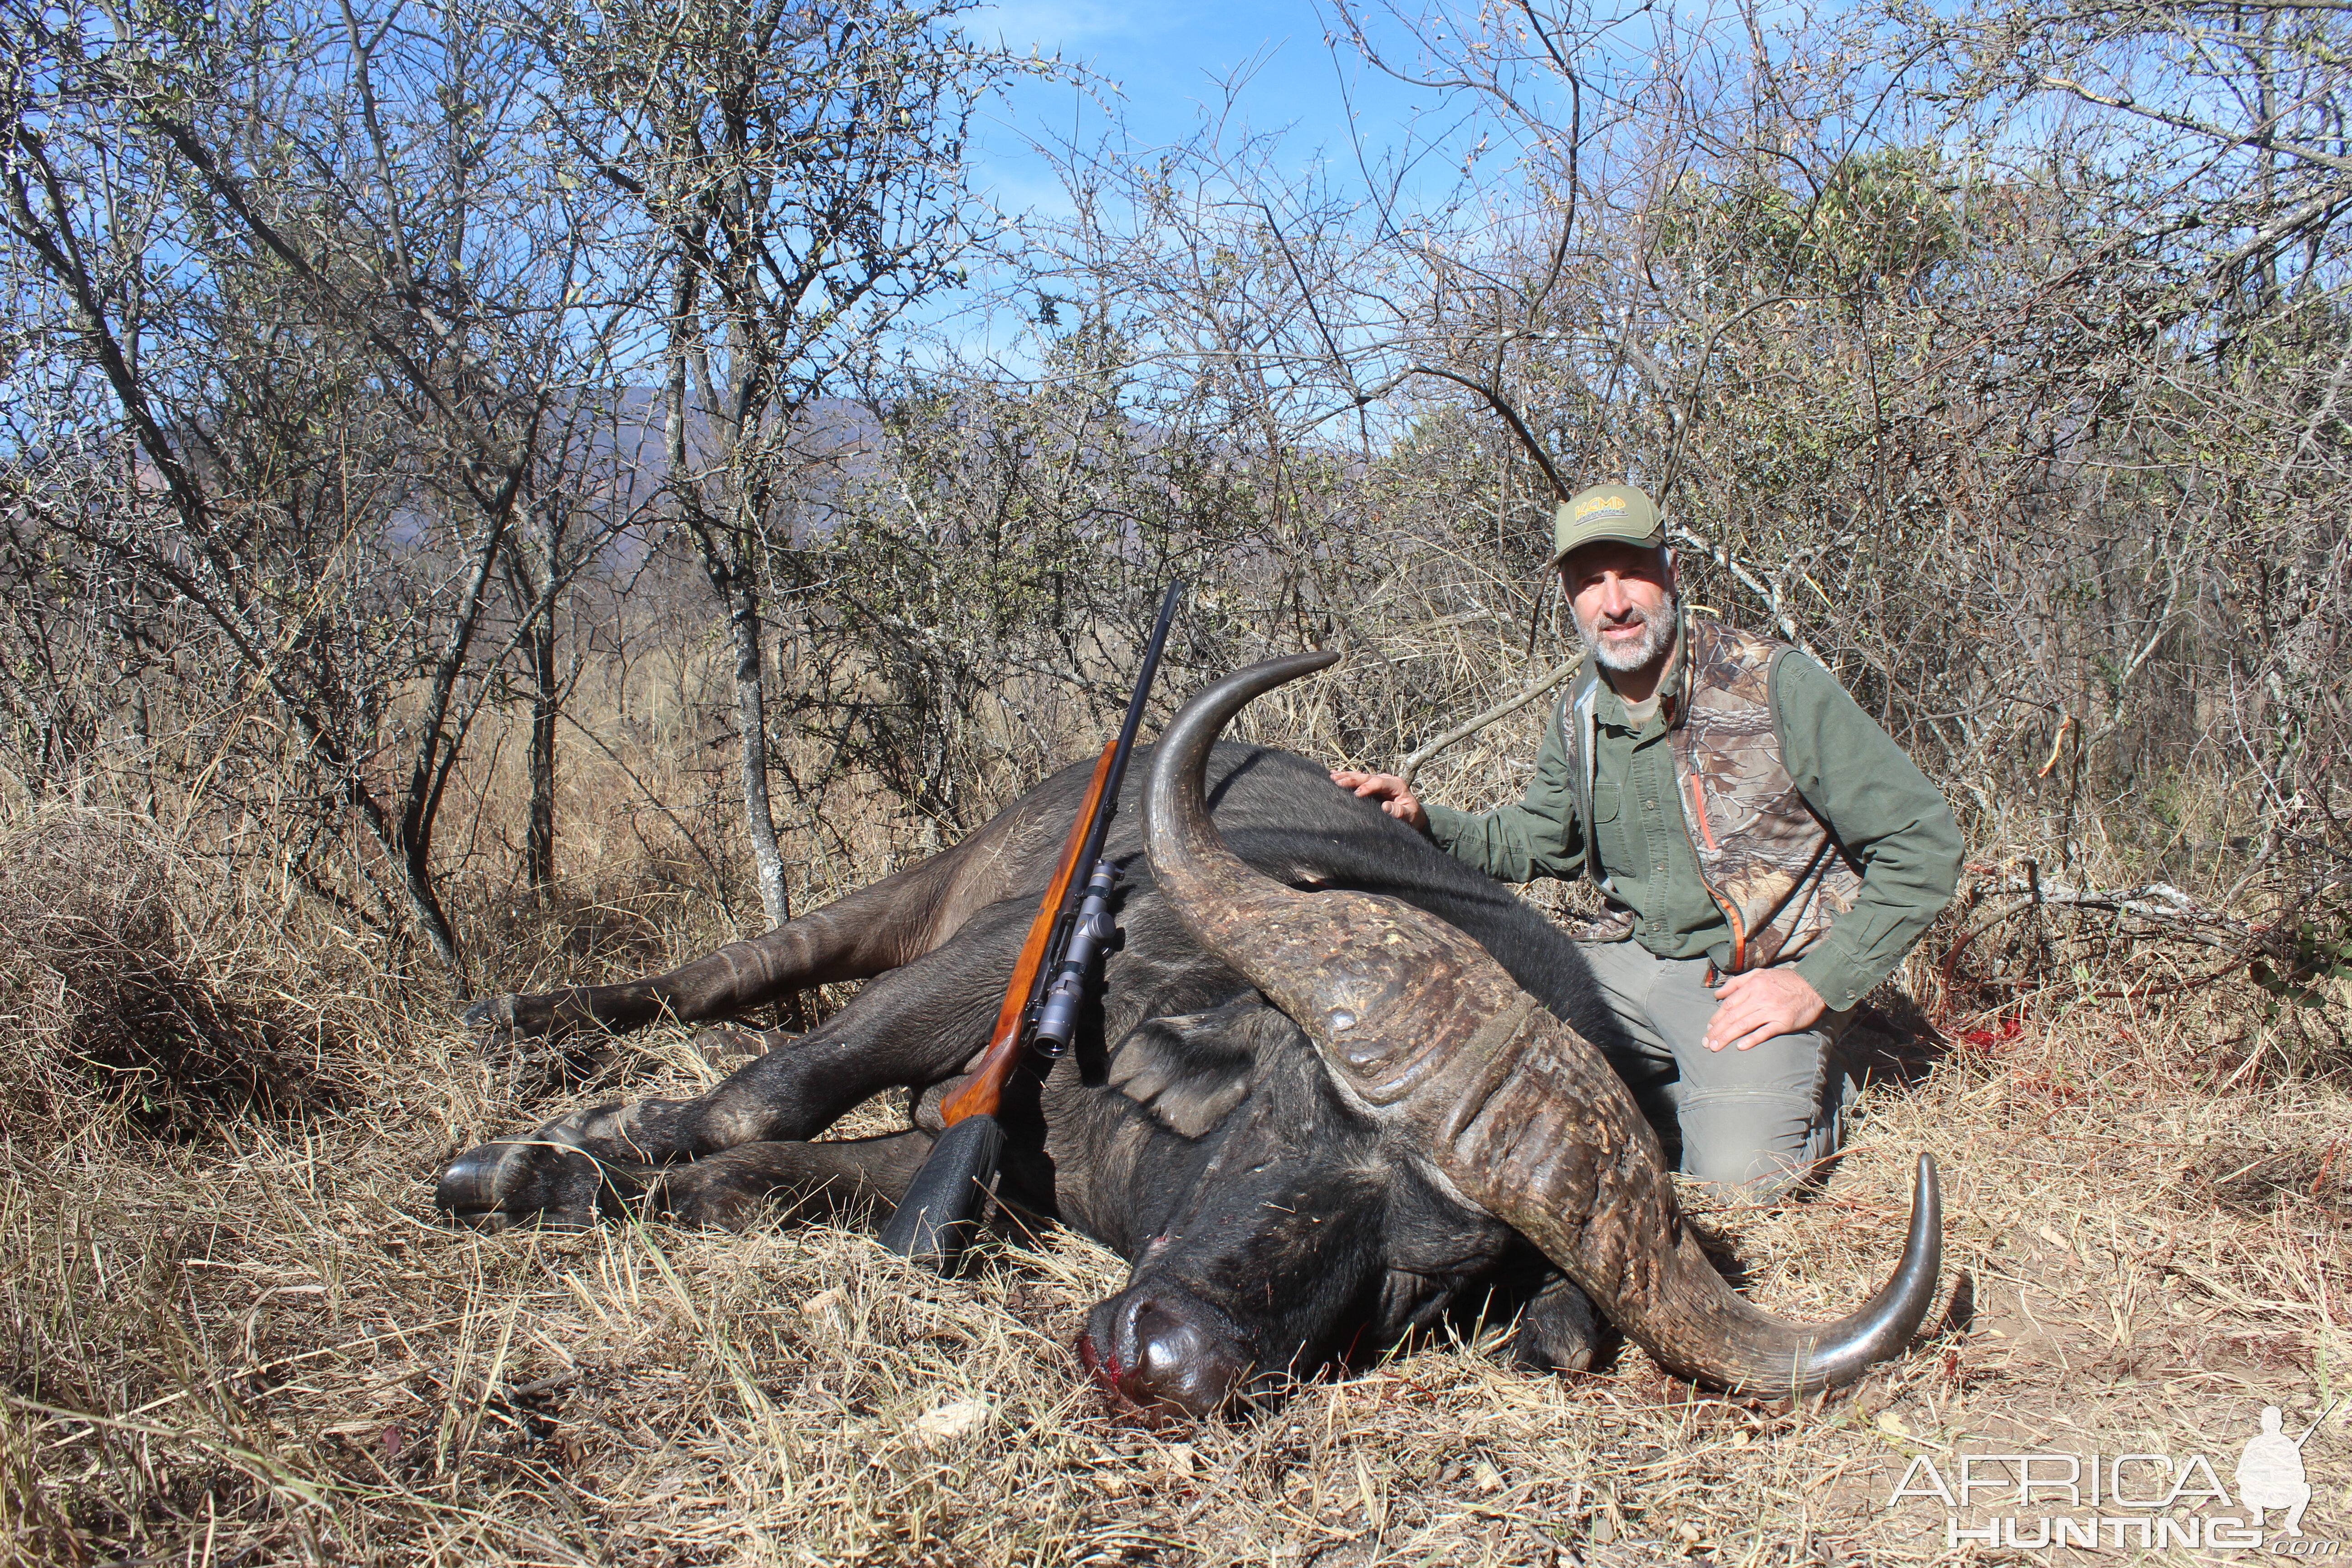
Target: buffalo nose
[(1177, 1360)]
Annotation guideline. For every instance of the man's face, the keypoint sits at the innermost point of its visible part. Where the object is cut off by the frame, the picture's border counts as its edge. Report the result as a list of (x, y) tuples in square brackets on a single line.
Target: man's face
[(1623, 599)]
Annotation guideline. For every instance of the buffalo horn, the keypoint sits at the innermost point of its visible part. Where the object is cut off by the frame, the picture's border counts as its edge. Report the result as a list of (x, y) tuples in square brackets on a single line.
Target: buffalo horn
[(1505, 1106)]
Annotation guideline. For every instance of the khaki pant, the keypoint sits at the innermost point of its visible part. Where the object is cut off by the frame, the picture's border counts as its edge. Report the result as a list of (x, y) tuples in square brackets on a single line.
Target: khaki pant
[(1751, 1123)]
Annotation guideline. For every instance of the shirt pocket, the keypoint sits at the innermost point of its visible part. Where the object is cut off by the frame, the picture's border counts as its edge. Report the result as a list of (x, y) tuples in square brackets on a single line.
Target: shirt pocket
[(1606, 841)]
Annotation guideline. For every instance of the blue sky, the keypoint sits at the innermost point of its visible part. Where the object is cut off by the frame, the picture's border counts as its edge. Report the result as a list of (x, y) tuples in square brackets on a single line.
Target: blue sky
[(1170, 58), (1169, 61)]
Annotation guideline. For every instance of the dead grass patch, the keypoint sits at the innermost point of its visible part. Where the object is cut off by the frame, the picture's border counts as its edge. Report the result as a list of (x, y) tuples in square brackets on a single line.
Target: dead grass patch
[(257, 1346), (127, 992), (264, 1350)]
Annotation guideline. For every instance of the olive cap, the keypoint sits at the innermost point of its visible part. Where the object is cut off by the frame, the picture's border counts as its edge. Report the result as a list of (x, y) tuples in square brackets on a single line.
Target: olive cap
[(1617, 511)]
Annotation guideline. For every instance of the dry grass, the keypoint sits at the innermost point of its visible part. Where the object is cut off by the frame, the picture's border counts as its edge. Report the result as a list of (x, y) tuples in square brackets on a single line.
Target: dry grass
[(130, 993), (266, 1351), (258, 1346)]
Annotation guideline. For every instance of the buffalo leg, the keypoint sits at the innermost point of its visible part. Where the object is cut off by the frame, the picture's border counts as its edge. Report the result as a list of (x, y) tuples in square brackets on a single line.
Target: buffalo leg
[(915, 1025), (841, 1179), (875, 928)]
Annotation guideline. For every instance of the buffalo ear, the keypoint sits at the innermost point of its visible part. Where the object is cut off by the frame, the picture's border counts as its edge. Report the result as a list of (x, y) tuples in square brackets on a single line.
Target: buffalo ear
[(1189, 1070)]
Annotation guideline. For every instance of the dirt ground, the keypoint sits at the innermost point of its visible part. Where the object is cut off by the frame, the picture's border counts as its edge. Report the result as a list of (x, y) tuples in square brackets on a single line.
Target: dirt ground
[(264, 1349)]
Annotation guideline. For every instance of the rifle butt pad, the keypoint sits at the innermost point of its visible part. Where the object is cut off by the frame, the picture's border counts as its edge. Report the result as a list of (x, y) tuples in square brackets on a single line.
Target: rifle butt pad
[(938, 1216)]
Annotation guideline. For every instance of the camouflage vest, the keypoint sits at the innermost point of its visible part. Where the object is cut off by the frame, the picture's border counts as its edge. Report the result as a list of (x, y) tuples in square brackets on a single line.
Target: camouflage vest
[(1769, 863)]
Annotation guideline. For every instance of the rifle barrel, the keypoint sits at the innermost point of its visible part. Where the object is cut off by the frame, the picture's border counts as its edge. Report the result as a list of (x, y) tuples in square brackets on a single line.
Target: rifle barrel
[(985, 1089), (1048, 933)]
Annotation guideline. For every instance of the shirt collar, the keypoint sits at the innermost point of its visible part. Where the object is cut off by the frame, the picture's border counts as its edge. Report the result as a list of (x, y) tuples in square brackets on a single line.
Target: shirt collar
[(1669, 693)]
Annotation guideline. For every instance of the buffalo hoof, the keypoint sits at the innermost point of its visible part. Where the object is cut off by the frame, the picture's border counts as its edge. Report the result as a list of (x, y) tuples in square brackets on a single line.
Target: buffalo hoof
[(549, 1032), (495, 1013), (547, 1179), (1559, 1330), (1161, 1353), (554, 1016)]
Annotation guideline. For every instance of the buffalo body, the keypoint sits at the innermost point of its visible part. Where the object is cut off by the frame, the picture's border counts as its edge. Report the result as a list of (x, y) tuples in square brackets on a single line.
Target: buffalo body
[(1192, 1126)]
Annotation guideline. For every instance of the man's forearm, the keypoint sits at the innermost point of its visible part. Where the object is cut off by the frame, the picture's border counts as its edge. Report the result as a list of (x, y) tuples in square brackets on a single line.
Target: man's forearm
[(1538, 835), (1907, 878), (1886, 813), (1496, 842)]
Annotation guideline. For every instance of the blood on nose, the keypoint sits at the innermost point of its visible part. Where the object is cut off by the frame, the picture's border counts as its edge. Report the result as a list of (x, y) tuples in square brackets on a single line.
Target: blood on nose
[(1175, 1360)]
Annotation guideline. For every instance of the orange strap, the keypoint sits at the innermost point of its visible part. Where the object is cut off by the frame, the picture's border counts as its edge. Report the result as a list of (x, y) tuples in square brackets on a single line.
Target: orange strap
[(1698, 809), (984, 1089)]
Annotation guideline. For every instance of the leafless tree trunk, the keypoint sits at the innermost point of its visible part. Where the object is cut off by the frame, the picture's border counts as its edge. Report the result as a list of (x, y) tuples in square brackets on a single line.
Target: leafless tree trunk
[(800, 172), (334, 484)]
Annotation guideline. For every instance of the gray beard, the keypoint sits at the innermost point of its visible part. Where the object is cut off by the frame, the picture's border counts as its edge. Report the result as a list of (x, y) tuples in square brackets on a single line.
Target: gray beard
[(1657, 637)]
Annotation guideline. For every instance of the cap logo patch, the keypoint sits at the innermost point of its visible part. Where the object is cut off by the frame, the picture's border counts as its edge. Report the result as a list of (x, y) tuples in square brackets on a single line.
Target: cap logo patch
[(1613, 506)]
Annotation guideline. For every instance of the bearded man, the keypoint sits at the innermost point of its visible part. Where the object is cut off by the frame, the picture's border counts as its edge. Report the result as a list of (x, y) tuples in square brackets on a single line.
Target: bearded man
[(1766, 852)]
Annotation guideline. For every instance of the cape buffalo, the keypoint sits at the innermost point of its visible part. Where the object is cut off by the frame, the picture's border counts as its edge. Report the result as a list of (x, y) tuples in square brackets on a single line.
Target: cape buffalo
[(1283, 1194)]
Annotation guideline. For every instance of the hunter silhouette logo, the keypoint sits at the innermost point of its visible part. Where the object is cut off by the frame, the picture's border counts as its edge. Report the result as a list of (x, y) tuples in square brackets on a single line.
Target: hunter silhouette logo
[(2270, 1472), (2042, 1500)]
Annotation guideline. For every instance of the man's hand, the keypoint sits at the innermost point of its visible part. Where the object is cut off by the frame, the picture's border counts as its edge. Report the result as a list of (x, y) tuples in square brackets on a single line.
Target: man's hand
[(1395, 796), (1761, 1004)]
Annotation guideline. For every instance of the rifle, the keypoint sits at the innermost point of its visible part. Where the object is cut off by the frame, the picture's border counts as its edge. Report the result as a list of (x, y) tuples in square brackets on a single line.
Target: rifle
[(937, 1218)]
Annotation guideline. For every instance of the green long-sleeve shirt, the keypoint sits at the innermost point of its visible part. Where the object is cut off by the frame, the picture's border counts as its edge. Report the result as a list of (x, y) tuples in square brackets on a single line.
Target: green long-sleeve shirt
[(1875, 800)]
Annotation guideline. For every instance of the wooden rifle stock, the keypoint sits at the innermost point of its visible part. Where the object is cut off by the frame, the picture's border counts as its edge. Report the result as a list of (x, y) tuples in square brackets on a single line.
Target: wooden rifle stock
[(984, 1091)]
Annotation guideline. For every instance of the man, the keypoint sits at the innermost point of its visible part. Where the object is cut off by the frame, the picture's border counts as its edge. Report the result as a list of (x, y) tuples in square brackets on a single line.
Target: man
[(1769, 851), (2270, 1472)]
